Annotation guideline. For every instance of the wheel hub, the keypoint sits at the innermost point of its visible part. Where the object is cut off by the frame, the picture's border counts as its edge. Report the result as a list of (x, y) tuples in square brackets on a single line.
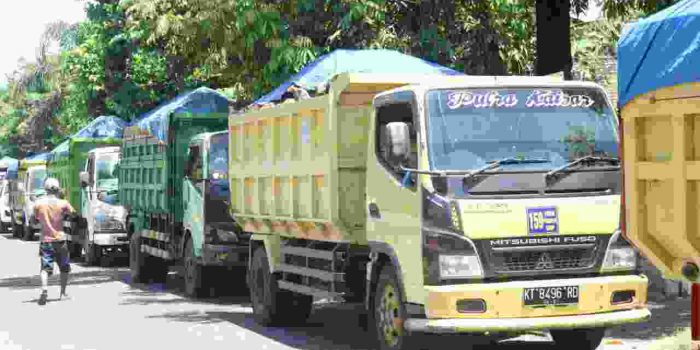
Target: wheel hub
[(390, 322)]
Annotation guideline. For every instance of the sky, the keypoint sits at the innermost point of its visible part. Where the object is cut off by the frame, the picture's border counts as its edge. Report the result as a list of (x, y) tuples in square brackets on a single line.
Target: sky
[(22, 23)]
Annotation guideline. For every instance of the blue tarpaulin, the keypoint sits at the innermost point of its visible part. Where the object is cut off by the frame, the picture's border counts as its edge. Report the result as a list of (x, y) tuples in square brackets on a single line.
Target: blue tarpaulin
[(659, 51), (356, 61), (200, 100), (101, 127), (38, 157), (12, 165)]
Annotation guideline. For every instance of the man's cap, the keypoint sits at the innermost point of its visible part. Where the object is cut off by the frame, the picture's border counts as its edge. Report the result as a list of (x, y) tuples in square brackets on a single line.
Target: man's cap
[(51, 185)]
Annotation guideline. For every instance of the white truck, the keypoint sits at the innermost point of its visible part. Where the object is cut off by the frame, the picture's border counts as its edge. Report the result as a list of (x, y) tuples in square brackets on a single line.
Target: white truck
[(32, 188), (5, 209), (106, 219)]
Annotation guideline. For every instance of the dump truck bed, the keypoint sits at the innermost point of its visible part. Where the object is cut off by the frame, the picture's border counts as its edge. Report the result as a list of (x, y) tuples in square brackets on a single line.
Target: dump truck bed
[(298, 169), (151, 170), (661, 157), (67, 163)]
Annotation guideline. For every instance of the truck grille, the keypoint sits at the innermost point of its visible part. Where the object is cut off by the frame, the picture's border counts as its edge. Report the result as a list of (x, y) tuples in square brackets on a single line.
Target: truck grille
[(544, 260)]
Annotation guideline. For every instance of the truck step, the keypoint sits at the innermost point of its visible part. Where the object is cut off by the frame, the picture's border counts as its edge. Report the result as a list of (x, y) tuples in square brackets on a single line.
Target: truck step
[(307, 252), (316, 273), (319, 293)]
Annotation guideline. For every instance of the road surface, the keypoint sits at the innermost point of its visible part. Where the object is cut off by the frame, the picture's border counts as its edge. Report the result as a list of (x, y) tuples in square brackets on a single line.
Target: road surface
[(106, 312)]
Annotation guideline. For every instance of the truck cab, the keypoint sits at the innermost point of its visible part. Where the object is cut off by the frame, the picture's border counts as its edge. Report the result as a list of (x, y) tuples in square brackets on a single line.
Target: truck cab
[(217, 240), (105, 217), (33, 189)]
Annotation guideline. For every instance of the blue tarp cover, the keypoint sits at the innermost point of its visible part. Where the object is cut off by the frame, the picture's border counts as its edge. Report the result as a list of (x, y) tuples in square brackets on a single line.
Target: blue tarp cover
[(101, 127), (12, 166), (356, 61), (39, 156), (200, 100), (659, 51)]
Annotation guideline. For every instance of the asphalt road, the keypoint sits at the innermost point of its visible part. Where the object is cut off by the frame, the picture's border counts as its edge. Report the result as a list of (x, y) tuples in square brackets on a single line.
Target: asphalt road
[(107, 312)]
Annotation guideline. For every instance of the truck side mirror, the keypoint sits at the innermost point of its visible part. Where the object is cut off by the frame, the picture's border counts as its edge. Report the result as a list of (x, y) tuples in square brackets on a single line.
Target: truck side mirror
[(84, 179), (396, 143)]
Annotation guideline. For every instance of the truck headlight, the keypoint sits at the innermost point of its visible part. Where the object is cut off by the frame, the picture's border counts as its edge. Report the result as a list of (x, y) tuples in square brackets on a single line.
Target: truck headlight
[(620, 255), (449, 256), (224, 236), (459, 266), (109, 218)]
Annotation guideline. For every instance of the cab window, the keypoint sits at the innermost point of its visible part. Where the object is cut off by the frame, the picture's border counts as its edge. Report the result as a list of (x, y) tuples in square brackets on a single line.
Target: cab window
[(195, 163), (400, 108)]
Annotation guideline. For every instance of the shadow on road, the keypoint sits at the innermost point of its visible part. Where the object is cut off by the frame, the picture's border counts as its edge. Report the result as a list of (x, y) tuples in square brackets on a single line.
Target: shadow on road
[(337, 327), (76, 278), (666, 318)]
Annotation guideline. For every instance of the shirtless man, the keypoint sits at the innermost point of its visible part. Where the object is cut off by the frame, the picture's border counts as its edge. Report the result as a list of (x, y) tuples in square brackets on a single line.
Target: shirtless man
[(53, 248)]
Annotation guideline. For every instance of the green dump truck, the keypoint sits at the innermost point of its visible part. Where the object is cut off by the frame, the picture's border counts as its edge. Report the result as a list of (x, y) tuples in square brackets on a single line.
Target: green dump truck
[(173, 182), (67, 160), (444, 204)]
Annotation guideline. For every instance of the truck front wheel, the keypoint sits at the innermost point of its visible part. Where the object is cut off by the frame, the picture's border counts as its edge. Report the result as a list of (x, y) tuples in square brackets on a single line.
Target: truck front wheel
[(90, 252), (389, 311), (196, 283), (271, 305), (578, 339), (28, 234)]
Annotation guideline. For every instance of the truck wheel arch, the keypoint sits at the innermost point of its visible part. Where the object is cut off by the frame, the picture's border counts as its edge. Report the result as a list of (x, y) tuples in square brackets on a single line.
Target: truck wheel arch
[(384, 254), (271, 243)]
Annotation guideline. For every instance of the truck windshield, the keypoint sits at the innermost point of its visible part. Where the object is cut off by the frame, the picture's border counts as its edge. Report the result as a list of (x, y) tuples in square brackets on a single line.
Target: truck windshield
[(218, 157), (106, 178), (470, 128), (36, 181)]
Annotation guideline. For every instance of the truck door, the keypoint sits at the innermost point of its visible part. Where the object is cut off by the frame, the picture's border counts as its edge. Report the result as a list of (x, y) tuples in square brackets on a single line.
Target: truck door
[(393, 202), (193, 194), (87, 196)]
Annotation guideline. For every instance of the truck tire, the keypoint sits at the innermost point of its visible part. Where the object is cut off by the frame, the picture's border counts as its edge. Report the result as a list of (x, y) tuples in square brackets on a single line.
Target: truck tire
[(144, 268), (90, 253), (197, 284), (578, 339), (389, 312), (16, 230), (136, 260), (272, 306), (27, 233)]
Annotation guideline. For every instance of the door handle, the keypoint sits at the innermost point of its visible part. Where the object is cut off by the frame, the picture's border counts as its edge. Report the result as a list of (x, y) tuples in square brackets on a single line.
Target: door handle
[(374, 210)]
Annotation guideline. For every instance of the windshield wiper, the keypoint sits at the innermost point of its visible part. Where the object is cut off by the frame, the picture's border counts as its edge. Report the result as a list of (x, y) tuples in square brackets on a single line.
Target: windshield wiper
[(577, 161), (496, 163), (469, 173)]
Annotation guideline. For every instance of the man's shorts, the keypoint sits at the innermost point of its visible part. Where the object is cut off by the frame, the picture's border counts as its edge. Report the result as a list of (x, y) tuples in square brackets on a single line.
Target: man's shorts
[(54, 252)]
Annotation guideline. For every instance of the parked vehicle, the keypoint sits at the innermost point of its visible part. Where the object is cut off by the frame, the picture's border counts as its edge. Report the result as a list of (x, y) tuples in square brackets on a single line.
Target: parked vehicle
[(28, 187), (8, 171), (445, 205), (105, 218), (172, 180), (69, 158), (659, 102), (5, 213)]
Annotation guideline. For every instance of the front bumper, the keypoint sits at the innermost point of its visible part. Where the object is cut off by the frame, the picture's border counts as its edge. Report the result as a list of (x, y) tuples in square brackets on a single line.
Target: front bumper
[(527, 323), (110, 239), (505, 309), (224, 255)]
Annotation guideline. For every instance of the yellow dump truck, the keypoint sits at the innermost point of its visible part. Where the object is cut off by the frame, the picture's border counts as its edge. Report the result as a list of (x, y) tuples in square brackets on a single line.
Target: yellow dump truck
[(444, 204)]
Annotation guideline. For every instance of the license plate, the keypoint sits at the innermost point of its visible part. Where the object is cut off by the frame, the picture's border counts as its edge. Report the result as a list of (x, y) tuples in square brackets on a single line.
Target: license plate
[(565, 295)]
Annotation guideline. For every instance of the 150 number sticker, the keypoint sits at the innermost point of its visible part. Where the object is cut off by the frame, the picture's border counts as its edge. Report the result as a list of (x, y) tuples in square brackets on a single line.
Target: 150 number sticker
[(542, 220)]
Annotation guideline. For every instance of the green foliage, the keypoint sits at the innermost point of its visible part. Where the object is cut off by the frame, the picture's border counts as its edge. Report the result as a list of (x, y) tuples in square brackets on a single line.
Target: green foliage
[(129, 56)]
